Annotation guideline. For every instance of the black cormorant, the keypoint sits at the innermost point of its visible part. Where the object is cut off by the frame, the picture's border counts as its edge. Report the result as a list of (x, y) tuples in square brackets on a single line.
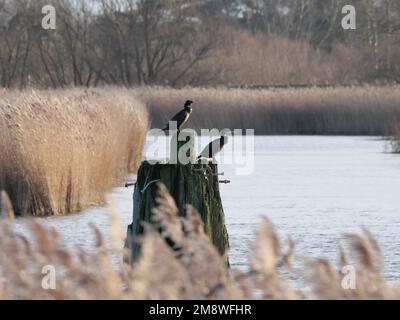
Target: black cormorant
[(214, 148), (182, 117)]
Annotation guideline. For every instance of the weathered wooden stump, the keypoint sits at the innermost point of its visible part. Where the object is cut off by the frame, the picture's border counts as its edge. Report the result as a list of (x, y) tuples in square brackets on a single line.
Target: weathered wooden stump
[(194, 183)]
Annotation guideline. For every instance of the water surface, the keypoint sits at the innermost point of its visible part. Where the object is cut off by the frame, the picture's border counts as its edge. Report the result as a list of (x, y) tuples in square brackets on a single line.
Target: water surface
[(313, 188)]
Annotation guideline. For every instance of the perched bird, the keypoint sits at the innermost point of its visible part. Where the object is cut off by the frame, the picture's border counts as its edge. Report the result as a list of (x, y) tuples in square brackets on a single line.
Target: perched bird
[(213, 148), (182, 117)]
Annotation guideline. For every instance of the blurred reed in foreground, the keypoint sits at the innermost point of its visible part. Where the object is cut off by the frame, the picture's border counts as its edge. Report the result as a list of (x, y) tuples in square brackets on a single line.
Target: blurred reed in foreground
[(61, 151), (322, 111), (194, 270)]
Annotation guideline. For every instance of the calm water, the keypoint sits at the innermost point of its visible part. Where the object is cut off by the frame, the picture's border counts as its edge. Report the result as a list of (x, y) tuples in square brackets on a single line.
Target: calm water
[(312, 188)]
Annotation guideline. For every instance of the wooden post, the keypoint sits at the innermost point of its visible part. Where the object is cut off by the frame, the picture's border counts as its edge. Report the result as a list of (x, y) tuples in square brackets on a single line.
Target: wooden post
[(194, 183)]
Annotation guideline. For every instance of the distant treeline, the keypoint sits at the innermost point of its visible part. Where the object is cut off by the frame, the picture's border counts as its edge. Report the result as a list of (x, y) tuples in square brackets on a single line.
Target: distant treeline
[(197, 43)]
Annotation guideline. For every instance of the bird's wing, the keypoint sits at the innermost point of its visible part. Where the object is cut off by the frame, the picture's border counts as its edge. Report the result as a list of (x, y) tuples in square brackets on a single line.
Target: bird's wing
[(212, 149), (180, 116)]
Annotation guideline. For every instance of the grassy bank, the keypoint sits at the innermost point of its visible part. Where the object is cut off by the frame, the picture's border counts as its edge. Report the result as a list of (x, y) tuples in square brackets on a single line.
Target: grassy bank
[(61, 151), (322, 111), (164, 274)]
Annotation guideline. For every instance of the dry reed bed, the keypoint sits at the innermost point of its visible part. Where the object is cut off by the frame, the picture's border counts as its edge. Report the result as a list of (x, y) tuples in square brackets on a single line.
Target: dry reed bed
[(194, 271), (396, 138), (61, 151), (335, 111)]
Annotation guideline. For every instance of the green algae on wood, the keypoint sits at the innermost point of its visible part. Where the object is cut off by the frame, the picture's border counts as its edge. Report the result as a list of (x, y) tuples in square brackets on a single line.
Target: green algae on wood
[(194, 184)]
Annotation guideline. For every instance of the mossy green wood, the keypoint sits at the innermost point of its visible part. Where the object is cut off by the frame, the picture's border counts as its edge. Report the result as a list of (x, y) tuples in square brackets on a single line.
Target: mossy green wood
[(194, 184)]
